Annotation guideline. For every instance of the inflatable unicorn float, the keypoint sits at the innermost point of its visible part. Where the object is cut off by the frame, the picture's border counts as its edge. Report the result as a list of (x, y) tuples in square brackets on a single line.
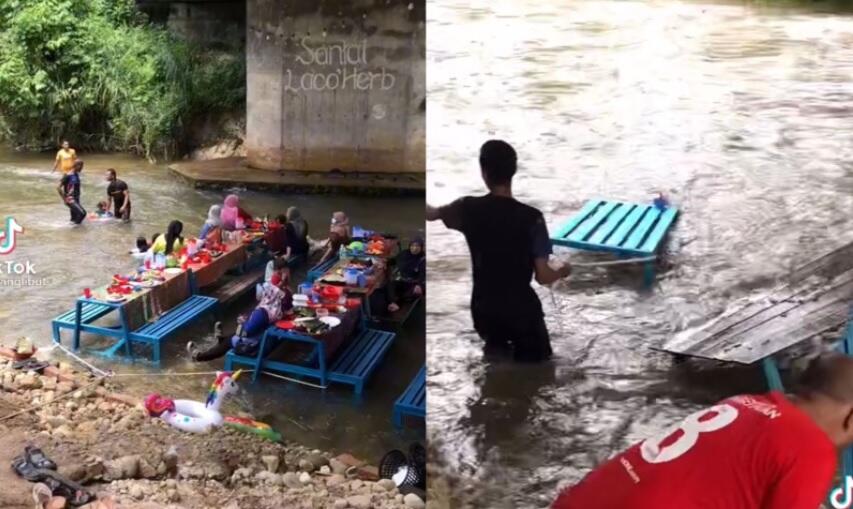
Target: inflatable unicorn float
[(198, 417)]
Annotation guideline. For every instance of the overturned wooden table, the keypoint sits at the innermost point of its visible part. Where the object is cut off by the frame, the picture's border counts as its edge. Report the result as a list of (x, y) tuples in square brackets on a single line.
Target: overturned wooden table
[(815, 298)]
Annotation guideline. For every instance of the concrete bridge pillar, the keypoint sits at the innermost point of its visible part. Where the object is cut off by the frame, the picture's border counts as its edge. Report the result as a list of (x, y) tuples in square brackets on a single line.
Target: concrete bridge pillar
[(335, 84)]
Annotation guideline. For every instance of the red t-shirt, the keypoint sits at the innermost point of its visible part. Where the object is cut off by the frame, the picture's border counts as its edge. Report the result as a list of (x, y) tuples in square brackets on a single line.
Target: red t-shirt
[(746, 452)]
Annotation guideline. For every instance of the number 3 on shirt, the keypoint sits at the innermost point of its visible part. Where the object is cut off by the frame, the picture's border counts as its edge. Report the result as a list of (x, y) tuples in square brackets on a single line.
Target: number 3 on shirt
[(691, 428)]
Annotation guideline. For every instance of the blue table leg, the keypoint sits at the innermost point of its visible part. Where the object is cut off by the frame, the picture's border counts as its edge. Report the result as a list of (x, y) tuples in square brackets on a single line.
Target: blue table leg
[(321, 351), (649, 274), (259, 360), (78, 310), (57, 338), (126, 336), (771, 373)]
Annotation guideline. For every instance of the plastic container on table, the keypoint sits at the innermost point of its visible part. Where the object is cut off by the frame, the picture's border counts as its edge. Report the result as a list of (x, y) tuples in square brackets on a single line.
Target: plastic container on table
[(351, 277)]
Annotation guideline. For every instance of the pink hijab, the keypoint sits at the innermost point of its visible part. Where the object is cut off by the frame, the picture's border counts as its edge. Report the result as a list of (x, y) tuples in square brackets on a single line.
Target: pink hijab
[(230, 211)]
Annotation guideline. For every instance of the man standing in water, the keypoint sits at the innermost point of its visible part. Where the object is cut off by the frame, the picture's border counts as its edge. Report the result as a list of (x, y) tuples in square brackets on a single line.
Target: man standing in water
[(119, 196), (69, 190), (65, 158), (769, 451), (509, 243)]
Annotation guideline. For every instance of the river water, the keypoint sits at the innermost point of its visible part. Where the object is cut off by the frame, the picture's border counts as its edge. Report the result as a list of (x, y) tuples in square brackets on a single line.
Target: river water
[(72, 258), (741, 115)]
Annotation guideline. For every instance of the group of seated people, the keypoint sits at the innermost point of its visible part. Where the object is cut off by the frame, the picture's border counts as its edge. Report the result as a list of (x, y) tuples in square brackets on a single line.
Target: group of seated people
[(287, 240)]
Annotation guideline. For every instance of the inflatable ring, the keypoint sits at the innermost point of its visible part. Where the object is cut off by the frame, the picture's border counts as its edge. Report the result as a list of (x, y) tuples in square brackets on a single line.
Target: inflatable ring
[(192, 416)]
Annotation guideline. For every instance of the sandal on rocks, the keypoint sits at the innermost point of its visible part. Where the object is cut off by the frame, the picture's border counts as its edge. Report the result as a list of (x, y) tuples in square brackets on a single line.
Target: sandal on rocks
[(31, 365), (75, 494), (38, 459), (26, 470)]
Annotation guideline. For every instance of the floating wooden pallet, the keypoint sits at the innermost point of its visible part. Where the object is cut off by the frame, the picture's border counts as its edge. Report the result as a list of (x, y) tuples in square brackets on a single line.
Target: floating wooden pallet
[(624, 229), (815, 298), (617, 227)]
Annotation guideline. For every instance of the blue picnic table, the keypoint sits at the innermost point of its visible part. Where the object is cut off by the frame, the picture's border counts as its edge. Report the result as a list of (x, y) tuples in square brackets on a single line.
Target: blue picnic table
[(624, 229), (348, 354), (152, 332)]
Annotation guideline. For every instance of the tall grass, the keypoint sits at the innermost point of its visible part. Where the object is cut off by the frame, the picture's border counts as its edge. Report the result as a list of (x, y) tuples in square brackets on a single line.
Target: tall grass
[(95, 72)]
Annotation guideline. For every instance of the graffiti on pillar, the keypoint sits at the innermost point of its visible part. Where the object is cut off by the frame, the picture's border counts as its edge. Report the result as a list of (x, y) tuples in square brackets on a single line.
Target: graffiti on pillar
[(341, 66)]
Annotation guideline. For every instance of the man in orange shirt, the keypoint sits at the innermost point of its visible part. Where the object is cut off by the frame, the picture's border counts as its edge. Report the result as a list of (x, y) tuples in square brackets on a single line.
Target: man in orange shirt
[(65, 158), (769, 451)]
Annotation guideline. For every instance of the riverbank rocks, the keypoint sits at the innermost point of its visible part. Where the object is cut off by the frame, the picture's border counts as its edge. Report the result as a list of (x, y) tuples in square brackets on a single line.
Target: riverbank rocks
[(126, 467), (271, 462), (9, 382), (170, 459), (56, 503), (413, 501), (28, 382), (114, 449), (387, 484), (270, 478), (291, 480), (240, 475), (360, 502)]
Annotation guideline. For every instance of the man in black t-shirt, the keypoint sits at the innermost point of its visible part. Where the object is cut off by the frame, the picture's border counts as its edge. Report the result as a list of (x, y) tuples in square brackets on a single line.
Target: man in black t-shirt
[(509, 243), (119, 196), (69, 190)]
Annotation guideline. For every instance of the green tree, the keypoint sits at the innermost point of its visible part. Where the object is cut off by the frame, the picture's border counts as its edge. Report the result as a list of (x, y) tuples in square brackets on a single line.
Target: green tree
[(97, 72)]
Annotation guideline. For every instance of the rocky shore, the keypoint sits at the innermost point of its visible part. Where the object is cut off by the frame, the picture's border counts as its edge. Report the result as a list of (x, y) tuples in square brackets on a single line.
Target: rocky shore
[(106, 442)]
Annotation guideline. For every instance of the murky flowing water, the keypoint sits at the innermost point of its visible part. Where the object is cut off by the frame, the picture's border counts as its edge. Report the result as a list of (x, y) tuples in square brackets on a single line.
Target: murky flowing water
[(72, 258), (742, 116)]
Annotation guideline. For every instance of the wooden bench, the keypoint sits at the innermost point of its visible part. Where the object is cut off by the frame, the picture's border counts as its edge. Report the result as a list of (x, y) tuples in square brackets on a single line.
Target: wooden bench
[(361, 358), (153, 333), (625, 229), (413, 401), (353, 366), (91, 311), (236, 287), (318, 270), (398, 318)]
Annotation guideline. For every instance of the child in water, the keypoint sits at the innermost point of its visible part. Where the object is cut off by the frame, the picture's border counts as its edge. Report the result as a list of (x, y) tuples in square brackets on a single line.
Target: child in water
[(142, 245), (102, 212)]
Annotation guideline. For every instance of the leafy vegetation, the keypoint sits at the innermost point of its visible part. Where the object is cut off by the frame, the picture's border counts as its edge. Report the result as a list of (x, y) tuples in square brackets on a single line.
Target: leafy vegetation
[(96, 72)]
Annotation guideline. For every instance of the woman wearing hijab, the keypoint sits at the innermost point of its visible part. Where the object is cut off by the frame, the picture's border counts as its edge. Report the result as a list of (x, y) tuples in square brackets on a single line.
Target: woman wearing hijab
[(274, 299), (171, 241), (231, 211), (340, 234), (211, 231), (409, 278)]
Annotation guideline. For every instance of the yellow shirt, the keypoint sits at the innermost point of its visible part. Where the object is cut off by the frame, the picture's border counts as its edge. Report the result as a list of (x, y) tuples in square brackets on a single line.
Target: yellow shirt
[(159, 246), (66, 159)]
